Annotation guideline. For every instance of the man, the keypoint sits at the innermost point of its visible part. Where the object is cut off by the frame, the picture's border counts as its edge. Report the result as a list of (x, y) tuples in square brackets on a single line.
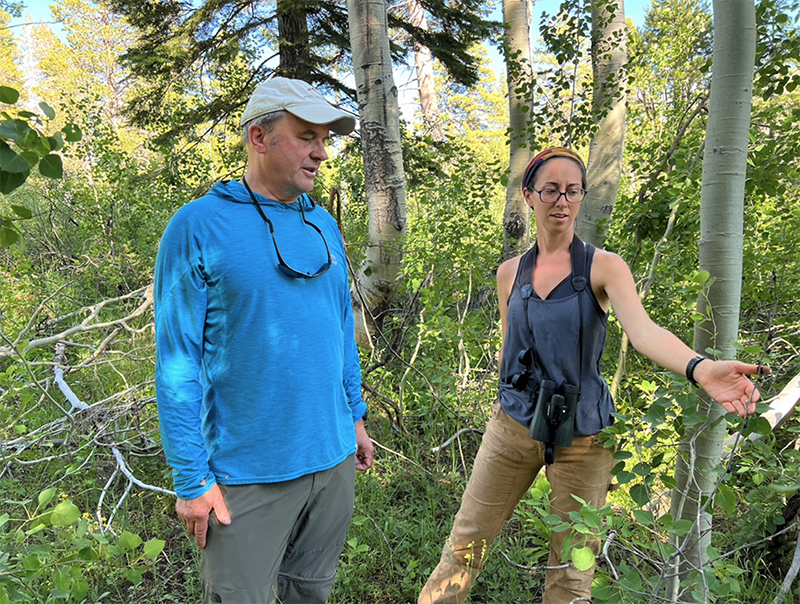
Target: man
[(257, 370)]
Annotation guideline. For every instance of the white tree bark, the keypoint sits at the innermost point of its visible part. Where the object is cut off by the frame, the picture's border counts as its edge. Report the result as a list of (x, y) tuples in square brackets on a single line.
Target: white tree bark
[(721, 224), (424, 65), (516, 218), (609, 103), (383, 163)]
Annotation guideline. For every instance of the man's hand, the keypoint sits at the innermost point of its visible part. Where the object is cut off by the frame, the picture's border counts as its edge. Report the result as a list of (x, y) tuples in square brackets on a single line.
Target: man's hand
[(727, 383), (194, 513), (365, 451)]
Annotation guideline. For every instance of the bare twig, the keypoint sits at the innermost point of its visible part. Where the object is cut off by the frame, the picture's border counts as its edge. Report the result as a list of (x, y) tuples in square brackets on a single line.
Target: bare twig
[(533, 569), (450, 440), (400, 455)]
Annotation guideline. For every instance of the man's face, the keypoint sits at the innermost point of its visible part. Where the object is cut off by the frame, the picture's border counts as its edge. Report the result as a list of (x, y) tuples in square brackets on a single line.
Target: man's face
[(293, 153)]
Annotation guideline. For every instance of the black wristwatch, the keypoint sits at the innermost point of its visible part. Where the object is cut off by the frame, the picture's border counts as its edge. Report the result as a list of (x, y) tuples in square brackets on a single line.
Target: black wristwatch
[(690, 367)]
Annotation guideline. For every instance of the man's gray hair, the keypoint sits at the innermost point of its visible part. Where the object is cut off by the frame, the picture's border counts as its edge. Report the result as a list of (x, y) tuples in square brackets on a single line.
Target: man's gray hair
[(266, 121)]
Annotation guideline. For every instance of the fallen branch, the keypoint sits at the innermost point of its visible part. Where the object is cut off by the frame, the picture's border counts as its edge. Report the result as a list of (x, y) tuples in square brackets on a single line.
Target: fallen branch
[(87, 324), (61, 359), (609, 541), (781, 408), (790, 576)]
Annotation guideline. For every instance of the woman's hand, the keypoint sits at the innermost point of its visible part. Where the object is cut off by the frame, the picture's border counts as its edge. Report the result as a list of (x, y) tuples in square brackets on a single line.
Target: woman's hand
[(727, 383)]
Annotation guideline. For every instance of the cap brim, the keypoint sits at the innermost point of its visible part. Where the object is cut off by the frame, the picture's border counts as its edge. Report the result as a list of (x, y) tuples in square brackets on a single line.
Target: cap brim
[(337, 120)]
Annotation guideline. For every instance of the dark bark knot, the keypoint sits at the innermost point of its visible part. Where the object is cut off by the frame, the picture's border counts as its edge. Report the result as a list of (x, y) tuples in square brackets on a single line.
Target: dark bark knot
[(515, 226)]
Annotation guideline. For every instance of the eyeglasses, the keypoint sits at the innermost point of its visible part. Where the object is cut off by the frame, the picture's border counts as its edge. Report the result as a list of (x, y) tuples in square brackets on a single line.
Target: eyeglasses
[(549, 195), (282, 266)]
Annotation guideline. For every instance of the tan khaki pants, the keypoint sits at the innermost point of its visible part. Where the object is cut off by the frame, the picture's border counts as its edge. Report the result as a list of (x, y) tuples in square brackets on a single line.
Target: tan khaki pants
[(505, 467)]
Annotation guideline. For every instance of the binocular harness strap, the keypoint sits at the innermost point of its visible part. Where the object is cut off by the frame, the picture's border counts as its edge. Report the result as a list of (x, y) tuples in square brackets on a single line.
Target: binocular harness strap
[(524, 281)]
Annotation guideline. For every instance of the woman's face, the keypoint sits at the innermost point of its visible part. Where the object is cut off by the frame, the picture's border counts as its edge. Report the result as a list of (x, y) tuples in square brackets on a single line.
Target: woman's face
[(558, 173)]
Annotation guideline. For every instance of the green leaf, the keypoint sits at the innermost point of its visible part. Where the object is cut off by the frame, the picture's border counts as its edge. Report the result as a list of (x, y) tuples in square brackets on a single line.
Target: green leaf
[(592, 519), (701, 277), (31, 157), (583, 558), (785, 489), (153, 548), (21, 211), (61, 580), (9, 181), (45, 497), (56, 141), (9, 96), (552, 520), (129, 541), (79, 590), (8, 131), (639, 494), (31, 563), (47, 110), (133, 575), (725, 499), (669, 481), (65, 513), (72, 133), (682, 527), (11, 161), (8, 236), (643, 517), (624, 477), (3, 519), (51, 166)]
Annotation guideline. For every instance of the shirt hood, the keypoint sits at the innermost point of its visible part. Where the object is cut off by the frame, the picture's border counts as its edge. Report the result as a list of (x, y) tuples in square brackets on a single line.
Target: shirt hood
[(234, 191)]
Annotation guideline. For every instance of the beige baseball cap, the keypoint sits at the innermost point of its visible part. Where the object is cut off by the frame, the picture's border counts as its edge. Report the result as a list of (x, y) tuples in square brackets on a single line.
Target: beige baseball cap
[(299, 99)]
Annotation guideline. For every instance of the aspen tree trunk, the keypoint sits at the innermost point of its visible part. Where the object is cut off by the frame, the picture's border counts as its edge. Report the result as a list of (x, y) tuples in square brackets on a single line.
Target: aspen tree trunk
[(516, 218), (609, 102), (721, 225), (383, 163), (424, 64)]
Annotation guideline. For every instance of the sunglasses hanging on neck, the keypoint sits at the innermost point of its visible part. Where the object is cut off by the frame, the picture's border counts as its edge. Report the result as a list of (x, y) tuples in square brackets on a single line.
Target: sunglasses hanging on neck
[(282, 266)]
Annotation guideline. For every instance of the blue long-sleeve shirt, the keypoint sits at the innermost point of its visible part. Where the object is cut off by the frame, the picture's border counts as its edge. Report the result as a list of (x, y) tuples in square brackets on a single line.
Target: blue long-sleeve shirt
[(257, 374)]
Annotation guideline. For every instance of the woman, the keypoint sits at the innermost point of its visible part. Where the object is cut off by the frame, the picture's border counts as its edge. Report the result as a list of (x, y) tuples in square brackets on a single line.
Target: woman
[(554, 303)]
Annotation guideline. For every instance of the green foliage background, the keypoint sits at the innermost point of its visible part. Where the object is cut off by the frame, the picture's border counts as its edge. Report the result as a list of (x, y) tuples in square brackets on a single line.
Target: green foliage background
[(73, 528)]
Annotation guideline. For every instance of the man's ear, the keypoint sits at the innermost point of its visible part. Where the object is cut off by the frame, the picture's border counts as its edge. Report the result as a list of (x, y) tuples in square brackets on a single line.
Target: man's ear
[(258, 139)]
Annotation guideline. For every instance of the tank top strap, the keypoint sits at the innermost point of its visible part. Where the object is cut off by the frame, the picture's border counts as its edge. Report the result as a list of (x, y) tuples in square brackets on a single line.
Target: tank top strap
[(581, 256), (525, 268)]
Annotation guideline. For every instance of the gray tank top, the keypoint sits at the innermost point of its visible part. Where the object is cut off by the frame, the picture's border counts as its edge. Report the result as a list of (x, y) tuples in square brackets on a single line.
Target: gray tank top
[(551, 328)]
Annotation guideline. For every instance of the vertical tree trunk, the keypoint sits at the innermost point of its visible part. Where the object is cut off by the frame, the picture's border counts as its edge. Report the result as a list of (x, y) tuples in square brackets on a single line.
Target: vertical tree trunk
[(516, 218), (721, 224), (424, 64), (293, 50), (383, 163), (609, 56)]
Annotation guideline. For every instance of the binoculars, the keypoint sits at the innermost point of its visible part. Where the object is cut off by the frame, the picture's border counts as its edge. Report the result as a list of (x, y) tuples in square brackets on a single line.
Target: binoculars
[(554, 416), (519, 380), (553, 420)]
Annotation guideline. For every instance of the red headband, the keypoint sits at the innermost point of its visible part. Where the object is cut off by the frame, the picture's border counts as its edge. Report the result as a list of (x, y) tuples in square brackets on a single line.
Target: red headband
[(542, 157)]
